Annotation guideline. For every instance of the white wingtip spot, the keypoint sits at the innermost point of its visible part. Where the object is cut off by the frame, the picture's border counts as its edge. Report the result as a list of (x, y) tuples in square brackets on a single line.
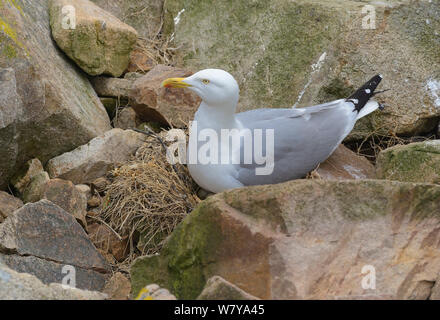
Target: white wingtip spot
[(381, 76), (367, 90)]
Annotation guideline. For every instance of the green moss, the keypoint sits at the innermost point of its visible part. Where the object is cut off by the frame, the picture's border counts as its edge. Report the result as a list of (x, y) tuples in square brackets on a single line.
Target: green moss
[(362, 205), (190, 249), (269, 46), (33, 191), (13, 3), (193, 252), (145, 271), (420, 22), (336, 89), (95, 49), (9, 51), (8, 33), (267, 209), (182, 263), (427, 202), (416, 162)]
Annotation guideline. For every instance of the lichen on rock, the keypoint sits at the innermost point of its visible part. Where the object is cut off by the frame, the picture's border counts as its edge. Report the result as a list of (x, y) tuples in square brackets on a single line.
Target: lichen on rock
[(304, 239), (307, 52), (415, 162), (99, 43)]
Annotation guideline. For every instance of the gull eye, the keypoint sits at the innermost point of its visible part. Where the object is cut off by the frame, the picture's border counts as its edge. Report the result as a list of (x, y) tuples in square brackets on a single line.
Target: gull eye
[(205, 81)]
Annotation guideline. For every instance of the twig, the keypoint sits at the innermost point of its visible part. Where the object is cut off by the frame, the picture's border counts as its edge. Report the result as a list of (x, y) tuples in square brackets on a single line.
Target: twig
[(104, 223)]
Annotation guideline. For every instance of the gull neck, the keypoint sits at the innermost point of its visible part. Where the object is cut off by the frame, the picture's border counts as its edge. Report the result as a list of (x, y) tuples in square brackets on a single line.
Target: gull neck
[(217, 117)]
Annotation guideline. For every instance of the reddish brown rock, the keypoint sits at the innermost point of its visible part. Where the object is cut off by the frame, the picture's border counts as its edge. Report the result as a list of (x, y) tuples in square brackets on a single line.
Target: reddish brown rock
[(8, 204), (94, 202), (345, 164), (64, 194), (306, 239), (23, 177), (140, 61), (118, 287), (163, 105), (107, 241)]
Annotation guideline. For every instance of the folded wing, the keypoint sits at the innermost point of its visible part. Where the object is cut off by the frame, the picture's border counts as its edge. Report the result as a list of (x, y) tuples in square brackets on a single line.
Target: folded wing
[(303, 138)]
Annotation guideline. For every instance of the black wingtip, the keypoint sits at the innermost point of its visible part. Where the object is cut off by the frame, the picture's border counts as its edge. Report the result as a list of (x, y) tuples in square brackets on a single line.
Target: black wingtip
[(364, 93)]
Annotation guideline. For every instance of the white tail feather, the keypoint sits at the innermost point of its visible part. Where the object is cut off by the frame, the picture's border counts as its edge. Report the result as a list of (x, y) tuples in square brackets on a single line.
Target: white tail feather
[(367, 109)]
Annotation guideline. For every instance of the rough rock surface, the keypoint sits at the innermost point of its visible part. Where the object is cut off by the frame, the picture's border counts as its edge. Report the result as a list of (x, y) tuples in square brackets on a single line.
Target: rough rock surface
[(218, 288), (93, 160), (112, 87), (33, 192), (143, 15), (23, 177), (140, 61), (167, 106), (40, 238), (112, 105), (286, 53), (64, 194), (8, 204), (100, 185), (345, 164), (415, 162), (306, 239), (118, 287), (85, 190), (22, 286), (127, 119), (53, 272), (43, 97), (154, 292), (99, 43)]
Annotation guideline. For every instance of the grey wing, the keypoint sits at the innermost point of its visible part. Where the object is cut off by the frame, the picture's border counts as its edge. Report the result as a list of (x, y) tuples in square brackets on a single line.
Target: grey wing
[(303, 138)]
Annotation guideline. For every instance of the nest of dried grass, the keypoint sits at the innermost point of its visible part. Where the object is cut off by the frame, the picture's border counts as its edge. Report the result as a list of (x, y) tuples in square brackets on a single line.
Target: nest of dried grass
[(148, 197)]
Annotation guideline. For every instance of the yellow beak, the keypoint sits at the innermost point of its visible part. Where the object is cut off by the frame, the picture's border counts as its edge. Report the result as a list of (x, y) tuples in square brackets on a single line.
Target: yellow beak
[(175, 83)]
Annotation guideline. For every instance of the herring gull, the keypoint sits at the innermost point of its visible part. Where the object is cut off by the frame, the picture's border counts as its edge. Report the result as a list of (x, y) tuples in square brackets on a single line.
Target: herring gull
[(298, 139)]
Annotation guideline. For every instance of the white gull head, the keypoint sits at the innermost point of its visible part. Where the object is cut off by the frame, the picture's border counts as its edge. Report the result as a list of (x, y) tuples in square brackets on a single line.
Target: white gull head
[(216, 88)]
